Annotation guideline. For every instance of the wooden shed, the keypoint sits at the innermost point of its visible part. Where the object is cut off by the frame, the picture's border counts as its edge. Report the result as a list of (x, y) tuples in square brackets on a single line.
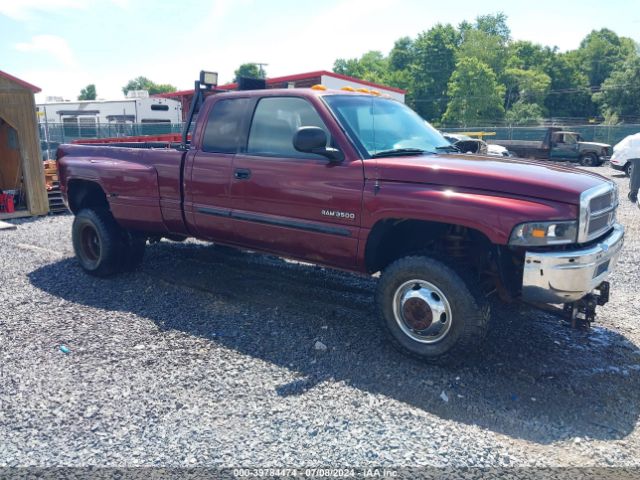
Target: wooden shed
[(21, 168)]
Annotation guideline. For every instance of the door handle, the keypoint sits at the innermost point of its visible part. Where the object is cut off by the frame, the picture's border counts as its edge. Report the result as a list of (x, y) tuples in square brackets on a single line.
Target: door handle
[(242, 174)]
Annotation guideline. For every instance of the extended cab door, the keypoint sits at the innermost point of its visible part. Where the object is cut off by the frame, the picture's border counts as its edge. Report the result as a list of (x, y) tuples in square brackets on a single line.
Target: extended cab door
[(293, 203), (208, 172)]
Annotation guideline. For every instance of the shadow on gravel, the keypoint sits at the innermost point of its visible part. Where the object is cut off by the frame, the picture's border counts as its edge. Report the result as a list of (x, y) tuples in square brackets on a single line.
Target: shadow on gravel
[(536, 380)]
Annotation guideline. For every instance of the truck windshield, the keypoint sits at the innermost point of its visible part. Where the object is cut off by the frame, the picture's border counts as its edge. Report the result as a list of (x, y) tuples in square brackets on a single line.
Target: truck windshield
[(383, 126)]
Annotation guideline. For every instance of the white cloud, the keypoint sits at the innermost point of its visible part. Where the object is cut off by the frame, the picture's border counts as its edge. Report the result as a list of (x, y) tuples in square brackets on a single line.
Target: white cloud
[(25, 9), (52, 45), (311, 41), (124, 4)]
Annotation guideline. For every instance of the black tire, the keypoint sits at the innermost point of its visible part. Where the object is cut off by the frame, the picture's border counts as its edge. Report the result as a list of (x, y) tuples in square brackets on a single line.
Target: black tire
[(132, 253), (97, 241), (589, 160), (468, 313)]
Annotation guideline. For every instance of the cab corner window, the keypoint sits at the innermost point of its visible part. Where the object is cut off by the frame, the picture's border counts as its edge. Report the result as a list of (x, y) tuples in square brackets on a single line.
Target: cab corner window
[(224, 126), (275, 121)]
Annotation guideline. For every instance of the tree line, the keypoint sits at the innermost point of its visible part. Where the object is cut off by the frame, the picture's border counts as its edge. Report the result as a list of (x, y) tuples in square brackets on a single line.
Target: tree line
[(476, 74), (250, 70), (139, 83)]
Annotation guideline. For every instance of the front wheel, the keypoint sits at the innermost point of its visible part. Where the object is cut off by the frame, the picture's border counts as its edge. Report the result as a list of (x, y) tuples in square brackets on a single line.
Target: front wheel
[(589, 160), (429, 311)]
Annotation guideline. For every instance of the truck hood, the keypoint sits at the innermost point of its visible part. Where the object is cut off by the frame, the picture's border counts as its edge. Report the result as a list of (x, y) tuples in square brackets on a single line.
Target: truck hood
[(594, 144), (507, 176)]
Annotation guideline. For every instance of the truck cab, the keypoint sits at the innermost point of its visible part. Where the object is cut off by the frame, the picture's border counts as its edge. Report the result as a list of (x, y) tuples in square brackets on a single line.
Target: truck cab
[(565, 145)]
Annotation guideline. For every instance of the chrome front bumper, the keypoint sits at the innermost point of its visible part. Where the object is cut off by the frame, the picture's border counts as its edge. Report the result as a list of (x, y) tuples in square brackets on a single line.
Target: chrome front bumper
[(567, 276)]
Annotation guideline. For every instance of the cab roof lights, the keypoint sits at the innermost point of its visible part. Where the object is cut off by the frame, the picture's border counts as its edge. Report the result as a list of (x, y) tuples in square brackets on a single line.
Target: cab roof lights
[(349, 88)]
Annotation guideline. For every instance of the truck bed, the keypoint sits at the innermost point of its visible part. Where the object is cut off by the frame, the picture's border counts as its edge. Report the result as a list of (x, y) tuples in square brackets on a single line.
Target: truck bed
[(142, 180), (524, 148)]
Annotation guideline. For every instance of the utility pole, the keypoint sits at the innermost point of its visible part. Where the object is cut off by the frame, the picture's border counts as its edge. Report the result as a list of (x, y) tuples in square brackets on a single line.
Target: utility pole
[(260, 66)]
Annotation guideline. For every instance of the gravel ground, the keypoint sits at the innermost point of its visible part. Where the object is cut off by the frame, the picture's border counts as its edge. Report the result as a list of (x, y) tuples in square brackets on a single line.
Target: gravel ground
[(207, 357)]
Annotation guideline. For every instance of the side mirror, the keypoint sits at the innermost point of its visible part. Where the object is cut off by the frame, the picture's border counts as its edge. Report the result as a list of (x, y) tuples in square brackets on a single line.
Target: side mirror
[(314, 140)]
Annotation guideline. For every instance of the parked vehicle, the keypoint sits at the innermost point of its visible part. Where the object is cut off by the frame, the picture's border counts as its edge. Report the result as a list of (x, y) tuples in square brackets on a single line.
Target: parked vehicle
[(467, 144), (498, 150), (624, 152), (560, 145), (360, 183)]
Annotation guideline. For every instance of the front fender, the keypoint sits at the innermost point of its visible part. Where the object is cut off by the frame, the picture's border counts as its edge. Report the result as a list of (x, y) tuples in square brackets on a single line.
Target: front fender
[(491, 213)]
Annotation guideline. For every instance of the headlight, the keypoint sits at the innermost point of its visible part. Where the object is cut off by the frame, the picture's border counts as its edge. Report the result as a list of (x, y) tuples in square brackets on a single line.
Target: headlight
[(544, 233)]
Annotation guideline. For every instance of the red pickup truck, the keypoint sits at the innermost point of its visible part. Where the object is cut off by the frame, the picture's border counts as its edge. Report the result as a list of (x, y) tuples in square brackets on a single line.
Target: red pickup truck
[(361, 183)]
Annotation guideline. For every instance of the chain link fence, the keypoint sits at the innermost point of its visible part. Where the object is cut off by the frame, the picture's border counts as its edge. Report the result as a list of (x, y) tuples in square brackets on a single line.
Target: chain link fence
[(610, 134), (53, 134)]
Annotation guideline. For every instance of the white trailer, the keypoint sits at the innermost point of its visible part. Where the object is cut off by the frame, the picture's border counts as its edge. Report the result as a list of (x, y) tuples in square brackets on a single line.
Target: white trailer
[(88, 114)]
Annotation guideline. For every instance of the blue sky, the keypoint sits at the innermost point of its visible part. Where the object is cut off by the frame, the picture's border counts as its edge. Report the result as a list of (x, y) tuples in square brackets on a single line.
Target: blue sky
[(63, 45)]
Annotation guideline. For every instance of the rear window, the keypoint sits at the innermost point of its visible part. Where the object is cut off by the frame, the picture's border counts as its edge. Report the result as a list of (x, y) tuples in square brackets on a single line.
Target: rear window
[(224, 126)]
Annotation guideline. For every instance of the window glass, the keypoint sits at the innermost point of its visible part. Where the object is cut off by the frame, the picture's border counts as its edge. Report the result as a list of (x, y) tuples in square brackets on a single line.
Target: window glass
[(570, 138), (275, 122), (381, 124), (223, 129)]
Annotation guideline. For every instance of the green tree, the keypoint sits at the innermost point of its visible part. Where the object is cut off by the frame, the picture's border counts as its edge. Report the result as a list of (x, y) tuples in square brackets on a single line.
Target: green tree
[(434, 62), (88, 93), (402, 54), (529, 86), (524, 113), (569, 94), (601, 51), (495, 25), (620, 95), (249, 70), (476, 96), (143, 83), (529, 56), (464, 27), (485, 47), (373, 66)]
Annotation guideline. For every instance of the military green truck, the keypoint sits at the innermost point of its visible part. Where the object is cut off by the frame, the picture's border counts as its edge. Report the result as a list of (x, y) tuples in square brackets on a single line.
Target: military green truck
[(559, 145)]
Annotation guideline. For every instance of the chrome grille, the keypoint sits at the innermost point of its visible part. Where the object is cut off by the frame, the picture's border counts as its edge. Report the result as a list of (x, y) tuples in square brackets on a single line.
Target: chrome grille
[(597, 211), (600, 223), (602, 202)]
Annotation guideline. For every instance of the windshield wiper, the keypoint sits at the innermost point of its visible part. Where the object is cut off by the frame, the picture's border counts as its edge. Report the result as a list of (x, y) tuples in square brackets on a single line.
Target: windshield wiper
[(398, 151), (448, 148)]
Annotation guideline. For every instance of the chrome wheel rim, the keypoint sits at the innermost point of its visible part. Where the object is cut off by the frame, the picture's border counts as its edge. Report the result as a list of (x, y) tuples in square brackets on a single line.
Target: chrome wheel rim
[(422, 311)]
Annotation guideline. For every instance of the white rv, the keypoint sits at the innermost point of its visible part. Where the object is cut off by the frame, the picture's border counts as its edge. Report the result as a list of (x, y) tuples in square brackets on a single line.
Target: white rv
[(85, 116)]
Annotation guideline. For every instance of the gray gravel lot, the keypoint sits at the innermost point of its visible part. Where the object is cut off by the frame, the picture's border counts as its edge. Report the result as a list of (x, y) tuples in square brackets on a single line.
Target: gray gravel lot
[(206, 357)]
